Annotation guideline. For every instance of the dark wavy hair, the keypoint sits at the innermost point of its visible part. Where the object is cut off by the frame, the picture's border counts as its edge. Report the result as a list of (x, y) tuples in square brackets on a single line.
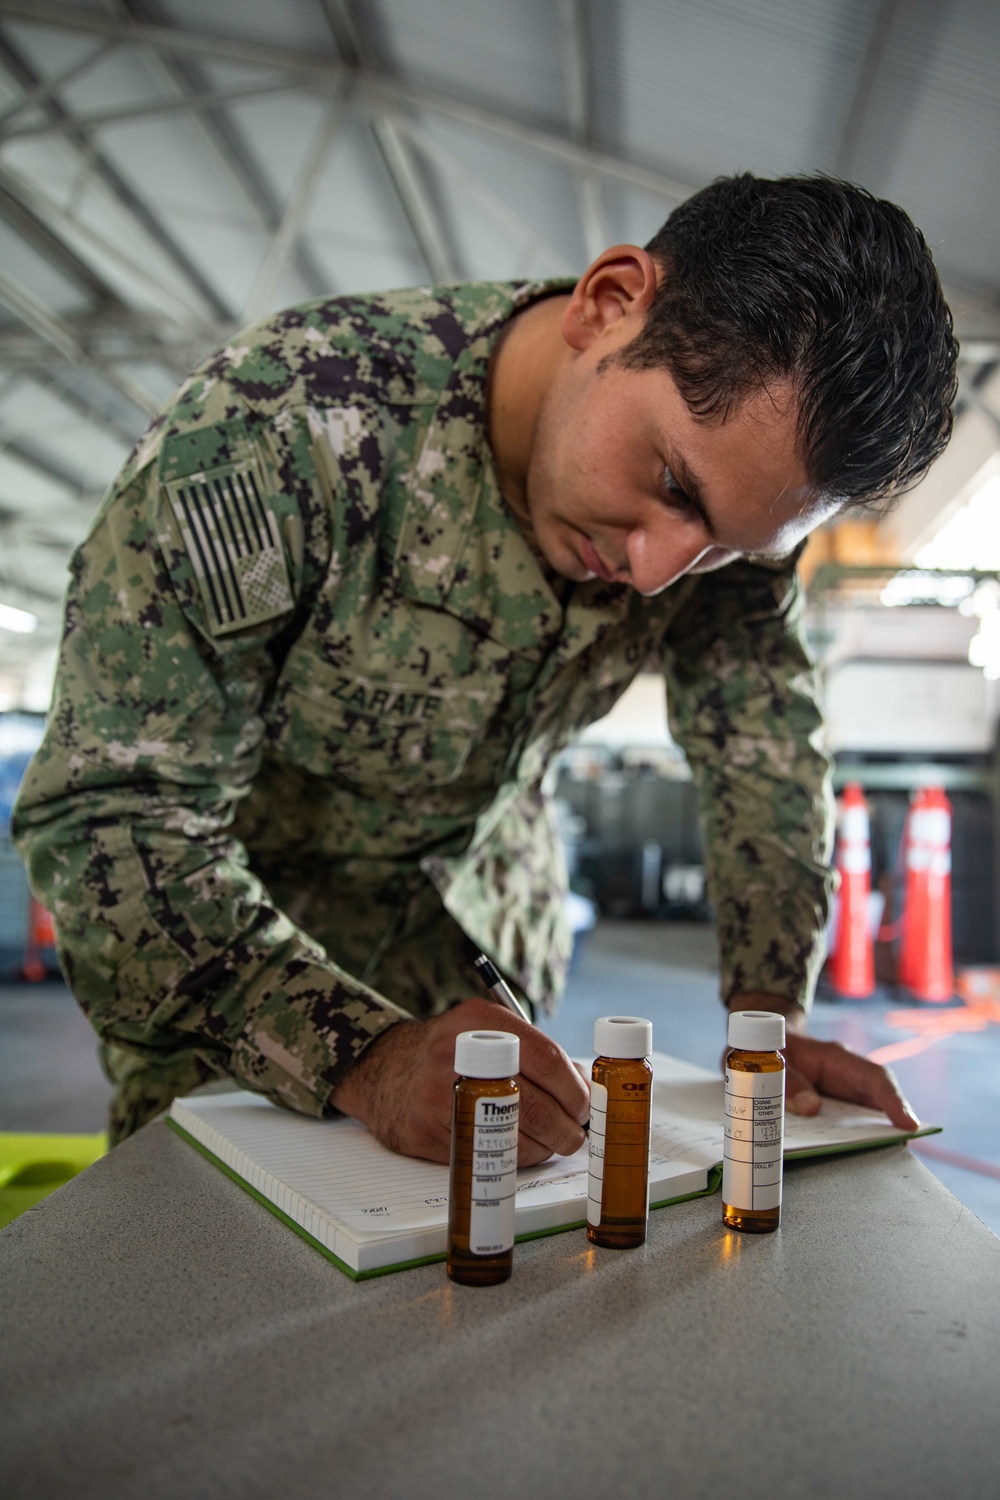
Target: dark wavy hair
[(814, 280)]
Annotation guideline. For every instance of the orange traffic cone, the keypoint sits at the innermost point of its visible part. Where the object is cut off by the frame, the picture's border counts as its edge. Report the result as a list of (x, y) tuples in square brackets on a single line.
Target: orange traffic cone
[(41, 935), (852, 961), (925, 953), (914, 887)]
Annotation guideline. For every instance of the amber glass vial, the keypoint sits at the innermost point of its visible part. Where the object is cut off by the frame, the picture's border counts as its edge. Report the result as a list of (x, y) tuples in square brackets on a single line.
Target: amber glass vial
[(621, 1096), (483, 1158), (755, 1121)]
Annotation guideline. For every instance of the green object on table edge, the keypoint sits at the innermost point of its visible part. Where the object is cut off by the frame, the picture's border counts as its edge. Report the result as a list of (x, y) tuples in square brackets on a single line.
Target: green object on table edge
[(32, 1166)]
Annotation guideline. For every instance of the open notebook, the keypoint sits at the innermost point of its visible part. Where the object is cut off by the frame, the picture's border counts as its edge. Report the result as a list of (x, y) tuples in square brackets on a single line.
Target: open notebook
[(370, 1211)]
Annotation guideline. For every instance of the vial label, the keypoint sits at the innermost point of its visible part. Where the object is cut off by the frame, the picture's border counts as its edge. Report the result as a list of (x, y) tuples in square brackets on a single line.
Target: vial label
[(494, 1175), (598, 1132), (755, 1122)]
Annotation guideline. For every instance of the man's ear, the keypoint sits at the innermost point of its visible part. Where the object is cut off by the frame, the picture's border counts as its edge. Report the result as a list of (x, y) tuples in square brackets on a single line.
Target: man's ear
[(620, 285)]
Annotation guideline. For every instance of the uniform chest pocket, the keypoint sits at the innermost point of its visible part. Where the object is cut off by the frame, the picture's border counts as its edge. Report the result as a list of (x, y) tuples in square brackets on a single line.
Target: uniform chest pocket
[(377, 733)]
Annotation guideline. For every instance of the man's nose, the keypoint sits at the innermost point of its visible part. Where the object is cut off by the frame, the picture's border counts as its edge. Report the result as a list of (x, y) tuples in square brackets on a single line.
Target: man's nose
[(655, 562)]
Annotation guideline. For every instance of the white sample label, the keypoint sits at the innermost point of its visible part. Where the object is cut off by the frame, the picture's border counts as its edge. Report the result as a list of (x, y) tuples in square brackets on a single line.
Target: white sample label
[(494, 1175), (754, 1131), (598, 1132)]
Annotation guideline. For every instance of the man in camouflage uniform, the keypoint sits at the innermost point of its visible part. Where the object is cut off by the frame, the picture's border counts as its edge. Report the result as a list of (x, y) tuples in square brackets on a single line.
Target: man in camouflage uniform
[(378, 561)]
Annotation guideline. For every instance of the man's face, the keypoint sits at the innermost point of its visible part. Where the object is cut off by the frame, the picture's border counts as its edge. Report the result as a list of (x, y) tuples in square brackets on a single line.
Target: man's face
[(624, 483)]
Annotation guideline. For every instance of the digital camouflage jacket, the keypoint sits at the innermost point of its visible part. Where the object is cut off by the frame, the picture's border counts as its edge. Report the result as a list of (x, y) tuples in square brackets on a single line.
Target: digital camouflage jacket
[(310, 680)]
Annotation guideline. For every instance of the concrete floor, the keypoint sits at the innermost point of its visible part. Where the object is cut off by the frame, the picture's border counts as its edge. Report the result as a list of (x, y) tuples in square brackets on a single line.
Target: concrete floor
[(50, 1079)]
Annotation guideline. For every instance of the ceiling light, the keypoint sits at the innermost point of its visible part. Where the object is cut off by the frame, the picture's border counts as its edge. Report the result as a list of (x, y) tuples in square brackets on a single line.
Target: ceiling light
[(18, 620)]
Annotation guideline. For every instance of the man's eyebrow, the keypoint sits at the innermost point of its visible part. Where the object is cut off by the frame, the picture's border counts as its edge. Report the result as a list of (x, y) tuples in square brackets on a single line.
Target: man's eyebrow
[(689, 483)]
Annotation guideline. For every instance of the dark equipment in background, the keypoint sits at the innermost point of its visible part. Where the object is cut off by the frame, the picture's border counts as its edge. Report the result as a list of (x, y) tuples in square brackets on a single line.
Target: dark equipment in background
[(634, 843)]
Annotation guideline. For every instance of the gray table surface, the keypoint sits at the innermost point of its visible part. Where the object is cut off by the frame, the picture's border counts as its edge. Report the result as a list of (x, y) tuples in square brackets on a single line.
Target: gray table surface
[(161, 1334)]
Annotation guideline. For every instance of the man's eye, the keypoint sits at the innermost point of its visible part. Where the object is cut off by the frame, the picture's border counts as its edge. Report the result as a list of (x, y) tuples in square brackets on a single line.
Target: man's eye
[(672, 489)]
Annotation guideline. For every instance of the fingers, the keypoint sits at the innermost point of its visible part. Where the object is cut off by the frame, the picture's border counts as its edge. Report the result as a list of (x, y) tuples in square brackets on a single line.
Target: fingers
[(545, 1123), (530, 1153), (832, 1069), (800, 1096), (555, 1095), (876, 1086), (401, 1087), (545, 1064)]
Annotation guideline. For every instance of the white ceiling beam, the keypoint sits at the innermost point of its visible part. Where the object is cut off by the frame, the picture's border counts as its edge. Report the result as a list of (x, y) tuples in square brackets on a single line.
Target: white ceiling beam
[(55, 332), (20, 446), (125, 195), (229, 144), (864, 87), (381, 92), (264, 289), (46, 464), (109, 340), (42, 91), (55, 384), (24, 593), (536, 139), (180, 311), (476, 190), (575, 47), (421, 213), (40, 236), (409, 185), (193, 103), (172, 39)]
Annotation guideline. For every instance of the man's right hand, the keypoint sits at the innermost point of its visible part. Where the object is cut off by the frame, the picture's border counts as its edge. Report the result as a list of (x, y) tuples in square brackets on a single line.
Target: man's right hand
[(401, 1086)]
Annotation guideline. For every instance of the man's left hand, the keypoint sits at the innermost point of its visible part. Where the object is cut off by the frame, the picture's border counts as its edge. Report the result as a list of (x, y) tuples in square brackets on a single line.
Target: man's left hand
[(815, 1068)]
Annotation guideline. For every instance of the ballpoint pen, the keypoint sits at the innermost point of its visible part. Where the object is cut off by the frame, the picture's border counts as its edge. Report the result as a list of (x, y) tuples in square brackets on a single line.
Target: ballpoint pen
[(498, 987), (501, 991)]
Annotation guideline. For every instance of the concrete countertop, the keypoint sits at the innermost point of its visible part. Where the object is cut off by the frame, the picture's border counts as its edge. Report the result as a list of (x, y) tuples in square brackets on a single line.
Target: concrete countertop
[(163, 1335)]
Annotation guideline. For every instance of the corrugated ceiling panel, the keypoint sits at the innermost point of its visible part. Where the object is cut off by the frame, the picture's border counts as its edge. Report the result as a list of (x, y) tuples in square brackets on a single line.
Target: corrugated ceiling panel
[(25, 491), (195, 198), (37, 276), (542, 236), (503, 55), (120, 79), (285, 23), (73, 440), (711, 86), (355, 223), (637, 216), (935, 137), (50, 50)]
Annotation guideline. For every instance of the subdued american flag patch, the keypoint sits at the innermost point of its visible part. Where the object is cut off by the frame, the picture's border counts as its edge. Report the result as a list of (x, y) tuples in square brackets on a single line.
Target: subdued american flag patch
[(232, 539)]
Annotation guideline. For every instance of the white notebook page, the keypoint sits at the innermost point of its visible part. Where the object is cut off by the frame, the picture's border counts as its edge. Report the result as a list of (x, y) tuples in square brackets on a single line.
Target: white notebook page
[(346, 1176)]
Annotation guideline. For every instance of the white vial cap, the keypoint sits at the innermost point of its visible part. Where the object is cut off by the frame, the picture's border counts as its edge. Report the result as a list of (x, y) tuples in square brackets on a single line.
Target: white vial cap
[(487, 1054), (756, 1030), (623, 1036)]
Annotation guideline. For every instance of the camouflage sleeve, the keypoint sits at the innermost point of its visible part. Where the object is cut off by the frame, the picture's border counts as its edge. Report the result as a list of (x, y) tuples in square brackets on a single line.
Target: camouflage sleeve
[(167, 939), (742, 703)]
